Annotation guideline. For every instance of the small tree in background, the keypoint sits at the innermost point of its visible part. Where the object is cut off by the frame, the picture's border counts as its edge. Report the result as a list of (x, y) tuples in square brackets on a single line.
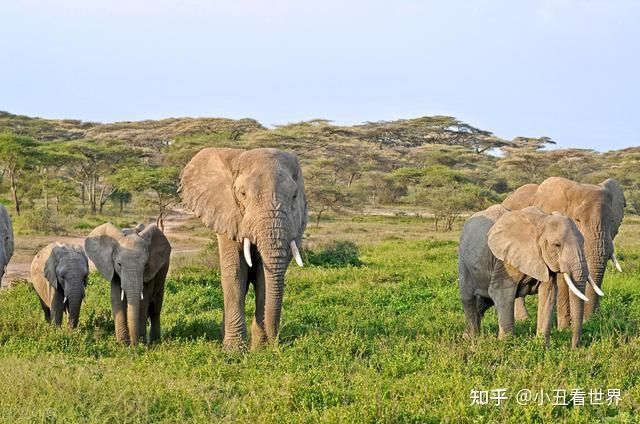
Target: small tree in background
[(160, 184), (17, 155)]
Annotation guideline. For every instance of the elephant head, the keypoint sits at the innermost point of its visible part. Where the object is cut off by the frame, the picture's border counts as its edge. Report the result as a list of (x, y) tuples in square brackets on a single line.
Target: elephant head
[(257, 199), (542, 245), (6, 242), (66, 269), (597, 211), (128, 261)]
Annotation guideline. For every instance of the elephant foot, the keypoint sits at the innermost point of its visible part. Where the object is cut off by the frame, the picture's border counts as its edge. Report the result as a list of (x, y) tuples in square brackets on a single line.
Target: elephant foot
[(258, 336), (234, 345)]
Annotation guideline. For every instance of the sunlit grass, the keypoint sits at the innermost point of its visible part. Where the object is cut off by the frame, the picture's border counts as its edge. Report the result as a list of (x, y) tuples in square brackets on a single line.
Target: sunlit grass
[(379, 341)]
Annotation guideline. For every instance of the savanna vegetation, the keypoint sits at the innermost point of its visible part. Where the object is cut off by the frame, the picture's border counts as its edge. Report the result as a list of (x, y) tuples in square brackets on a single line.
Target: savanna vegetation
[(372, 325), (371, 332), (62, 171)]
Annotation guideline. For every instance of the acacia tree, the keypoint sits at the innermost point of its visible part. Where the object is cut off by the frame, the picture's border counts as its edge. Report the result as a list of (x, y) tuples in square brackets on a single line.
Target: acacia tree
[(17, 154), (91, 163), (159, 183)]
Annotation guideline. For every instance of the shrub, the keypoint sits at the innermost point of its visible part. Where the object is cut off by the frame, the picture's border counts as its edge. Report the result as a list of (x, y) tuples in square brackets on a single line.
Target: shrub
[(337, 254), (39, 221)]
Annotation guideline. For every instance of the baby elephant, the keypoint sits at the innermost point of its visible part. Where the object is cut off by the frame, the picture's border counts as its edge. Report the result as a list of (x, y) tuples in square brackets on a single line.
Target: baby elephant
[(135, 262), (507, 254), (59, 276)]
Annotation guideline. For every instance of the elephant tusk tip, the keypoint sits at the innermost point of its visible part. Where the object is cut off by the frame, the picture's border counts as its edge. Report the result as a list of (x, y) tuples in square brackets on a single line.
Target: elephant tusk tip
[(296, 253)]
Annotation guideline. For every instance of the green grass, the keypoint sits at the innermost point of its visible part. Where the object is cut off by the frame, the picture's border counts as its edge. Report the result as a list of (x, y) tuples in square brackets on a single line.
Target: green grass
[(378, 342)]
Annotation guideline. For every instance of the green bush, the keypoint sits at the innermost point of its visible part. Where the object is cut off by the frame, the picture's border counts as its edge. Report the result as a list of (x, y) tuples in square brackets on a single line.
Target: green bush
[(340, 253), (39, 221)]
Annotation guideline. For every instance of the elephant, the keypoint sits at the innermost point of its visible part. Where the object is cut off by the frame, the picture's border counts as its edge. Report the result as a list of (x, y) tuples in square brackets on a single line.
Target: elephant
[(136, 264), (254, 201), (508, 254), (597, 211), (6, 247), (59, 276)]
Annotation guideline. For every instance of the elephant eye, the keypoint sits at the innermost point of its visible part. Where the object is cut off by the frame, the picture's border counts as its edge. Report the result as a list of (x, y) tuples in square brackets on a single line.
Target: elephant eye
[(556, 244)]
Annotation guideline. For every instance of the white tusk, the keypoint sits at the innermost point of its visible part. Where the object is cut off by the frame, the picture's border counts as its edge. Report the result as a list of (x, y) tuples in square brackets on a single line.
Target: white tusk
[(247, 252), (574, 289), (595, 286), (615, 262), (121, 295), (296, 253), (64, 300), (141, 296)]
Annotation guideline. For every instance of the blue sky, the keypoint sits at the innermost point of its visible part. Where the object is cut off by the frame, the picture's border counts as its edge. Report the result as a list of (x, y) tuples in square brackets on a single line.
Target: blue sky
[(568, 69)]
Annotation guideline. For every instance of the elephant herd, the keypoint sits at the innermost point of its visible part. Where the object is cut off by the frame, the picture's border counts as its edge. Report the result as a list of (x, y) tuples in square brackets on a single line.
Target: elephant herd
[(255, 202), (553, 239)]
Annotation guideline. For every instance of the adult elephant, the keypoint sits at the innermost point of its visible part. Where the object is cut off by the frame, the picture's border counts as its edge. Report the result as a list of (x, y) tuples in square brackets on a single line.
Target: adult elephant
[(597, 211), (136, 263), (254, 200), (508, 254), (6, 243)]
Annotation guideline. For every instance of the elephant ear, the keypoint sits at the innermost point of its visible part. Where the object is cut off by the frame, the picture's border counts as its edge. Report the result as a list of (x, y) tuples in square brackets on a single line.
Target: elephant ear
[(159, 251), (618, 203), (300, 203), (514, 239), (206, 187), (5, 221), (100, 245), (50, 267)]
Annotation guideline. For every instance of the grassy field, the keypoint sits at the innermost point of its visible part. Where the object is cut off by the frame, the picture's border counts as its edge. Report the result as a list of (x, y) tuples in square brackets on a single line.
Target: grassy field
[(369, 334)]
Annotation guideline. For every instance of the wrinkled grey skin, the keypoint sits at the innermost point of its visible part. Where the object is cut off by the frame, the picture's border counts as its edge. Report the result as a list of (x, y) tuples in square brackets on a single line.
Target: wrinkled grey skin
[(6, 240), (505, 255), (597, 210), (59, 276), (136, 264), (258, 195)]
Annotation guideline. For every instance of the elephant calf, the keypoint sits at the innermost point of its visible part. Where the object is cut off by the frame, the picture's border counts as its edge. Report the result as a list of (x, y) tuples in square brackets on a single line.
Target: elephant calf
[(136, 263), (507, 254), (59, 276)]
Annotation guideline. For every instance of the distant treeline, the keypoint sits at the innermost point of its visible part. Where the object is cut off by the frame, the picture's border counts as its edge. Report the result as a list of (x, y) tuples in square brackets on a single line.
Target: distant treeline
[(54, 168)]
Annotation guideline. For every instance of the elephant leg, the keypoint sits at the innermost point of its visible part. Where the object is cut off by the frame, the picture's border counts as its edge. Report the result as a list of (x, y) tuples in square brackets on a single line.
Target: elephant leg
[(156, 307), (469, 302), (503, 294), (46, 310), (234, 278), (520, 309), (119, 314), (563, 307), (258, 334), (143, 319), (57, 308), (547, 293)]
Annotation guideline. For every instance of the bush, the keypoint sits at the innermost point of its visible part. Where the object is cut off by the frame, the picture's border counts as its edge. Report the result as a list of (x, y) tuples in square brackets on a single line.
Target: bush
[(338, 254), (39, 221)]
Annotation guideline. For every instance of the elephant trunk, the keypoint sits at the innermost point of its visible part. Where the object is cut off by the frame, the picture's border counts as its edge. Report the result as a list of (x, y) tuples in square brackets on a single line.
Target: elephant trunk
[(576, 305), (133, 319), (598, 252), (132, 285), (273, 245), (74, 299)]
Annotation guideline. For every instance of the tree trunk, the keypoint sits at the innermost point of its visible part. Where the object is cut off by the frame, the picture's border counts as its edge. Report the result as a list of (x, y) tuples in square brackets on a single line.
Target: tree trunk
[(14, 192)]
